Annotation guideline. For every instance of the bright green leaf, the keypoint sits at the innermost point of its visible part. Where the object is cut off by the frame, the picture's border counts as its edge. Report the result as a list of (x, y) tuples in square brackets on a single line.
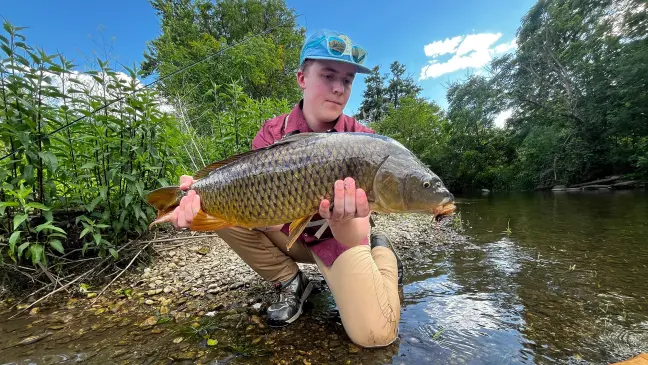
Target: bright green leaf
[(56, 244), (18, 219), (37, 206), (85, 231), (36, 252), (15, 236), (88, 165), (128, 199), (22, 247)]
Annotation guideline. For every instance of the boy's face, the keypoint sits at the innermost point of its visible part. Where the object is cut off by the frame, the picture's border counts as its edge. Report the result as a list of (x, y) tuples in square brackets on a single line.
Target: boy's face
[(327, 88)]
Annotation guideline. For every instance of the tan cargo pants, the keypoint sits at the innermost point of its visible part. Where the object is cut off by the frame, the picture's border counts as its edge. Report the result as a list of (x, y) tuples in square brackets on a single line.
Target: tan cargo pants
[(364, 282)]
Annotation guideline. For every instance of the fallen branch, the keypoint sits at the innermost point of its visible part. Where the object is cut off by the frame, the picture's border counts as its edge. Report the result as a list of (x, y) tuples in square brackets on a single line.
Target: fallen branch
[(181, 238), (54, 292), (600, 181), (120, 273), (625, 184), (595, 186)]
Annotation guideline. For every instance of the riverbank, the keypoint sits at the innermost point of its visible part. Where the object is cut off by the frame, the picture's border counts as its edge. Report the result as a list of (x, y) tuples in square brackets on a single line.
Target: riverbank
[(198, 301)]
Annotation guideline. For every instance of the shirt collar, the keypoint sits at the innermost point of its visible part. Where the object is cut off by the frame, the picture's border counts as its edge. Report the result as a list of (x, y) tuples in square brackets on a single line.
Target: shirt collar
[(297, 121)]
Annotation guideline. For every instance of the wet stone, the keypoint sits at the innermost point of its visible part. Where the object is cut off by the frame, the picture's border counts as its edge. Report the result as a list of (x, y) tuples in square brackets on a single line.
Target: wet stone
[(190, 355), (119, 352), (150, 321)]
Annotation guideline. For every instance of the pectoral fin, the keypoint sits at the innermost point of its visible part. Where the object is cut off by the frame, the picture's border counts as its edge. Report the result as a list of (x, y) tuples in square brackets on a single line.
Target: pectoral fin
[(296, 229), (205, 222)]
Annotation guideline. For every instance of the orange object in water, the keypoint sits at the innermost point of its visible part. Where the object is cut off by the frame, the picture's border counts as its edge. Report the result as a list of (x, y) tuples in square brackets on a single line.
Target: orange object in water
[(641, 359)]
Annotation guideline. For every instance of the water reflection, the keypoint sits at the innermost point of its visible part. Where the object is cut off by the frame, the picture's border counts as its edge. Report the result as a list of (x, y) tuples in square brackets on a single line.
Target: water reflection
[(566, 283)]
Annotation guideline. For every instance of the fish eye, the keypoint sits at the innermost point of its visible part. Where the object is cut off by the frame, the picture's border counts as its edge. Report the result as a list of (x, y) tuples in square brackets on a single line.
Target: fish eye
[(426, 184)]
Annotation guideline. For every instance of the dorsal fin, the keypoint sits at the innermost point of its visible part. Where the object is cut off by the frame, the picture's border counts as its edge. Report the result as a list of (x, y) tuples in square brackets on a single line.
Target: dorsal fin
[(205, 171)]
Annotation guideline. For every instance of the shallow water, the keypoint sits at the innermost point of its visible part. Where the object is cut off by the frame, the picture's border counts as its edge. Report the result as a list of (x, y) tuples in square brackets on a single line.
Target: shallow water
[(565, 284)]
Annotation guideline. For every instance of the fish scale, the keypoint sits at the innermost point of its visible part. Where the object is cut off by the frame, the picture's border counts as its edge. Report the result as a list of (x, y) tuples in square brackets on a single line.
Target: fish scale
[(291, 184)]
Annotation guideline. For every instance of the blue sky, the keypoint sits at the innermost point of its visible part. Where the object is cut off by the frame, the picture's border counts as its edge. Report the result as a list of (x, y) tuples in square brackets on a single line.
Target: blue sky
[(457, 36)]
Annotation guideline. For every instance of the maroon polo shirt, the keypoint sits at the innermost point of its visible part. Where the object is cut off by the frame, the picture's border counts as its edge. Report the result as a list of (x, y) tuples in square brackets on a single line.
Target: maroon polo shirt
[(325, 247)]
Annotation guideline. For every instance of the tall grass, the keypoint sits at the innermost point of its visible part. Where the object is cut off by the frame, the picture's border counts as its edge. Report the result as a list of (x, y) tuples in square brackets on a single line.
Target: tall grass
[(89, 178), (86, 147)]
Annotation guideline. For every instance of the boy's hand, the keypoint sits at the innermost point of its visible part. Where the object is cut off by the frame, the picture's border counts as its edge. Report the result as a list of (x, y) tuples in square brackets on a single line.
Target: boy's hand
[(349, 220), (189, 206), (348, 203)]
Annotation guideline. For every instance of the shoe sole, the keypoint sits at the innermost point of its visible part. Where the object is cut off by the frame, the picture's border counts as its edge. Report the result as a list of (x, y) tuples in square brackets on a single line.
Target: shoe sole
[(307, 291)]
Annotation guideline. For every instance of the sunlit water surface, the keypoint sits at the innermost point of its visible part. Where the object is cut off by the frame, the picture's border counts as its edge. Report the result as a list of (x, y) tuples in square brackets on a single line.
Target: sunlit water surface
[(546, 278)]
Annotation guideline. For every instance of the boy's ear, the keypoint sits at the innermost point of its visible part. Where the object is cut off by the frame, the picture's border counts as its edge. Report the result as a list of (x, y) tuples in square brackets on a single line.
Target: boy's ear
[(300, 79)]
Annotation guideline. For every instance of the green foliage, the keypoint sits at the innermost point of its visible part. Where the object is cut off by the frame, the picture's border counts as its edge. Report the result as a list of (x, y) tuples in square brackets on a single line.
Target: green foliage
[(263, 66), (232, 128), (28, 237), (418, 124), (383, 91), (374, 98), (577, 86), (91, 176), (80, 186)]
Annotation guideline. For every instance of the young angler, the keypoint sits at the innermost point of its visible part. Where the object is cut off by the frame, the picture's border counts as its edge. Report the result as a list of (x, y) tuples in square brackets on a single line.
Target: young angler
[(360, 269)]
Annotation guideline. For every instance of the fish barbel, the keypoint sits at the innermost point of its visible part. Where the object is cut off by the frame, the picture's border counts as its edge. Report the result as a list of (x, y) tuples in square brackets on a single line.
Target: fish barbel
[(286, 181)]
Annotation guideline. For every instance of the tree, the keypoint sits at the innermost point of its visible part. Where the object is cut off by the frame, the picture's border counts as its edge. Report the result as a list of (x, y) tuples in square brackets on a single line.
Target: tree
[(399, 86), (580, 70), (374, 101), (385, 90), (416, 123), (263, 64)]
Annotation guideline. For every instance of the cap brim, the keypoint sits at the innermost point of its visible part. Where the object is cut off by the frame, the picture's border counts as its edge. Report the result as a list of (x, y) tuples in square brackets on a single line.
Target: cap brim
[(361, 69)]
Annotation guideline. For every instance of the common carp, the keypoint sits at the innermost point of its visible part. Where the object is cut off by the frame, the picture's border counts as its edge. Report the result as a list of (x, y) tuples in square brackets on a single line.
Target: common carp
[(286, 181)]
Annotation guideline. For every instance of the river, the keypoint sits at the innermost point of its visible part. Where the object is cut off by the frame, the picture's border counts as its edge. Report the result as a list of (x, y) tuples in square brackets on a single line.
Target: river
[(543, 278), (548, 278)]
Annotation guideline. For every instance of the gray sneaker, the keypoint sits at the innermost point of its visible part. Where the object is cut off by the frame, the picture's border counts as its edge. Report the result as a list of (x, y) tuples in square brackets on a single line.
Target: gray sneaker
[(292, 296)]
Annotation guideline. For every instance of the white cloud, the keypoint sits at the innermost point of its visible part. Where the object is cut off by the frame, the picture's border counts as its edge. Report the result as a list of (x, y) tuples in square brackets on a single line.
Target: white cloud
[(84, 82), (439, 48), (471, 51), (505, 47), (474, 60), (477, 42), (500, 119)]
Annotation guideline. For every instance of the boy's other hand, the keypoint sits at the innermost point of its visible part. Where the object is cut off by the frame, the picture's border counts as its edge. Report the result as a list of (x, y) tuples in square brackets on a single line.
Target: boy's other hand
[(189, 206)]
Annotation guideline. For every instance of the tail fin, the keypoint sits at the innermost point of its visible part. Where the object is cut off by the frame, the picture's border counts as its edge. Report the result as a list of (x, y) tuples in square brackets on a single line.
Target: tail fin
[(165, 200)]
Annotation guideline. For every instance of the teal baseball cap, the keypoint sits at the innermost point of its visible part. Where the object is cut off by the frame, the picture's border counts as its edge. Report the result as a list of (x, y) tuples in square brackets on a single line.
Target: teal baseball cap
[(335, 46)]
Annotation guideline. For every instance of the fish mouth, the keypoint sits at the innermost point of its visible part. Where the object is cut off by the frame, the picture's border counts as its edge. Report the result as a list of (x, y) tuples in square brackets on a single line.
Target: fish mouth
[(446, 208)]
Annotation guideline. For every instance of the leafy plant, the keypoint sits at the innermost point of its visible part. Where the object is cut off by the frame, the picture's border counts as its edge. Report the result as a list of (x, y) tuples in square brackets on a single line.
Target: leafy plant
[(79, 149), (26, 237)]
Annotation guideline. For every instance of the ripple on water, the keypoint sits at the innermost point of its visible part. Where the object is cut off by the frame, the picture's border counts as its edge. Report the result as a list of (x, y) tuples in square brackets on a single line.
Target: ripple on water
[(470, 328)]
